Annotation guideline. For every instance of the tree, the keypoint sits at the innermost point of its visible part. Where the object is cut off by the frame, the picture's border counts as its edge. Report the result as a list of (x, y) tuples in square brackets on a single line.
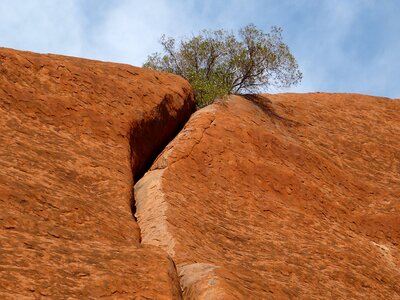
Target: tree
[(217, 63)]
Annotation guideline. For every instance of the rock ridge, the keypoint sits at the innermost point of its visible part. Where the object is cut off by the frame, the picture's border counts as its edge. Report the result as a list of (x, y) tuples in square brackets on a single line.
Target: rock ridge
[(74, 134), (281, 196)]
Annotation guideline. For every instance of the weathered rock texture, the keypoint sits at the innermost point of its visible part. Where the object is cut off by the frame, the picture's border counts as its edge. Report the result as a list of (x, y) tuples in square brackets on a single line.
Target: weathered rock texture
[(281, 196), (72, 131)]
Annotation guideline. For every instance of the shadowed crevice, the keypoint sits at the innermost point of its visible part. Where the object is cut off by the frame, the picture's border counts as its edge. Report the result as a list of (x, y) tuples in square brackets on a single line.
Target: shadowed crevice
[(149, 137)]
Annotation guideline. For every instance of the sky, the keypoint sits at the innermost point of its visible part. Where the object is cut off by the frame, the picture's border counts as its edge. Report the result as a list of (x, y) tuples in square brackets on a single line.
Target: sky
[(340, 45)]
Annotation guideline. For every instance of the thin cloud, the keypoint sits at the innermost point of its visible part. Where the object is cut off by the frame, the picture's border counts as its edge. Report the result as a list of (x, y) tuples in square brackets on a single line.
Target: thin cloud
[(341, 46), (43, 26)]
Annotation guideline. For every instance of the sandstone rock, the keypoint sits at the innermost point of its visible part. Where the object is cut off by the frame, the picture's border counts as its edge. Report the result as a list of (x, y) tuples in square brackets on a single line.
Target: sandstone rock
[(72, 134), (281, 197)]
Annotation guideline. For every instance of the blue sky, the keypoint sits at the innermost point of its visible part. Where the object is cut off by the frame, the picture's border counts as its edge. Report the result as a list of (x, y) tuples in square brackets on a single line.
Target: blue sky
[(340, 45)]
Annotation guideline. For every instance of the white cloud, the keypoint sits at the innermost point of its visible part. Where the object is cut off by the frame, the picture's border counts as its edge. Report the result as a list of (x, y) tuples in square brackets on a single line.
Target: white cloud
[(334, 52), (43, 26)]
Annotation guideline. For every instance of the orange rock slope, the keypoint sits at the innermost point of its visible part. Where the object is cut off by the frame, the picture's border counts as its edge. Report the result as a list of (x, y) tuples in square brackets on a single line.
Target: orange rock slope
[(290, 196), (73, 133), (259, 197)]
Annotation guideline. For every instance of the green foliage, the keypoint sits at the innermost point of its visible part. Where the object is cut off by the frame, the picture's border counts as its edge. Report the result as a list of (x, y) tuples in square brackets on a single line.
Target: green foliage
[(217, 63)]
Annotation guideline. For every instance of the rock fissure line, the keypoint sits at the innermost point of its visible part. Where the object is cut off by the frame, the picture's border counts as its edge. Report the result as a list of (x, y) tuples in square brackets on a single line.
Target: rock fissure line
[(148, 138), (151, 205), (156, 164)]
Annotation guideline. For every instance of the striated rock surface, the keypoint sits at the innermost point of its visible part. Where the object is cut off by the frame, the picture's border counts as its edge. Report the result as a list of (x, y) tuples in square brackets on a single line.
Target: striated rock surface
[(290, 196), (73, 134)]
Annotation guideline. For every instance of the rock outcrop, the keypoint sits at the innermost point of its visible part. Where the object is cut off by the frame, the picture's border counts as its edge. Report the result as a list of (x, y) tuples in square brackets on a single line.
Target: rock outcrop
[(73, 134), (290, 196)]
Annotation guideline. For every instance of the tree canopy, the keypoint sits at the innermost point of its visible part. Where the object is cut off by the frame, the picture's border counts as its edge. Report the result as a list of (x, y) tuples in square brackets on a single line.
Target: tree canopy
[(217, 63)]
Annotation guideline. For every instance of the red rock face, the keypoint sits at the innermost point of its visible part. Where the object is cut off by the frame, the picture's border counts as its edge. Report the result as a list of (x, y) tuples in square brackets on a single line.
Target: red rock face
[(258, 197), (72, 132), (281, 197)]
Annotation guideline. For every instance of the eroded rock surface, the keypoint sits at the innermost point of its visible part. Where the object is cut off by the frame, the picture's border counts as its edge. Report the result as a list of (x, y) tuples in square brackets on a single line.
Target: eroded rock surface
[(281, 197), (72, 131)]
